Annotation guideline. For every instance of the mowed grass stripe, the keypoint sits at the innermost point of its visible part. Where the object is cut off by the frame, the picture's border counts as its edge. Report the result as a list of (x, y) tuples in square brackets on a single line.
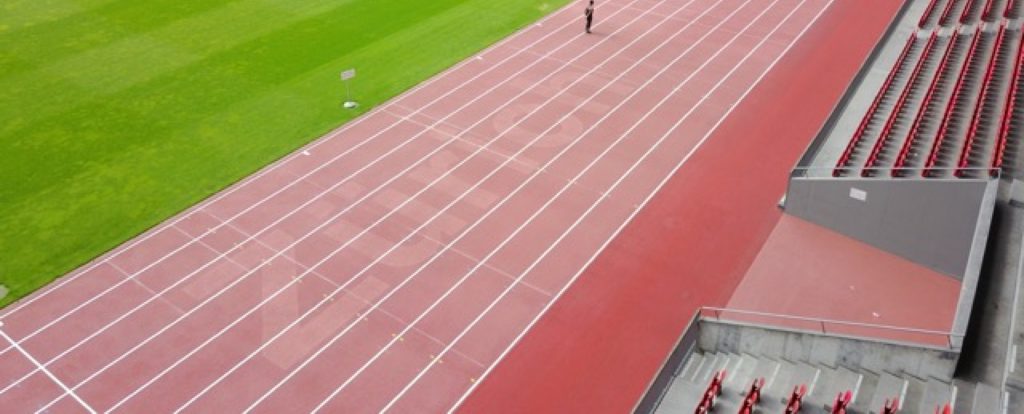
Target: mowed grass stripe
[(92, 158), (92, 28)]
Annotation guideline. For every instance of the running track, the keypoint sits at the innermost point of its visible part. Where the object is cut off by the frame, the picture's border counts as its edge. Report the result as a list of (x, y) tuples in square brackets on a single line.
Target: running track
[(392, 264)]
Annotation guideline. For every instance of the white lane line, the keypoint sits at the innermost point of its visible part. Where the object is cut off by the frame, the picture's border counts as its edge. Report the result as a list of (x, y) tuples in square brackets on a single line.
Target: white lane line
[(312, 232), (1013, 358), (712, 371), (903, 395), (696, 372), (492, 268), (1011, 362), (684, 373), (268, 260), (380, 110), (724, 366), (142, 286), (814, 382), (775, 373), (735, 370), (856, 388), (537, 214), (621, 179), (354, 294), (53, 378), (13, 308), (438, 254), (952, 400), (480, 379), (508, 196), (461, 136)]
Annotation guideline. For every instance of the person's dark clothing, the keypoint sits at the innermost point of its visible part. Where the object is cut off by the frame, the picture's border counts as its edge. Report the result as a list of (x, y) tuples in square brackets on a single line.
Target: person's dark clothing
[(590, 16)]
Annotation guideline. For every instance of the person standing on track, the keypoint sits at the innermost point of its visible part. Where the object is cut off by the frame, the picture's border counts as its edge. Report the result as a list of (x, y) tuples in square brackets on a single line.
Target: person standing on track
[(590, 14)]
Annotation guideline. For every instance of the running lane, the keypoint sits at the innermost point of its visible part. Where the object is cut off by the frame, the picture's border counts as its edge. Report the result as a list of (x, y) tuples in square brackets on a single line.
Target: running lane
[(599, 345)]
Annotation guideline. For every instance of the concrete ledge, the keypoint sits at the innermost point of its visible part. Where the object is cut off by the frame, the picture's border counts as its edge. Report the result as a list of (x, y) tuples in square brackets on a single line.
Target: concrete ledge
[(828, 350)]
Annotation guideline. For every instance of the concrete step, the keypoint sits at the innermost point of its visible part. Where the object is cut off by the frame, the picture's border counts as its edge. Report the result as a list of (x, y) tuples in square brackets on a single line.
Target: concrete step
[(936, 394), (964, 395), (912, 400), (800, 374), (709, 364), (987, 400), (682, 396), (737, 368), (889, 387), (841, 380), (819, 392), (740, 373), (864, 391), (695, 360), (778, 387)]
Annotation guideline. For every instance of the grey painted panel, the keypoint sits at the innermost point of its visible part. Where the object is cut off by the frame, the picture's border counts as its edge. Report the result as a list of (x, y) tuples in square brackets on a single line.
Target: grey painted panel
[(931, 222)]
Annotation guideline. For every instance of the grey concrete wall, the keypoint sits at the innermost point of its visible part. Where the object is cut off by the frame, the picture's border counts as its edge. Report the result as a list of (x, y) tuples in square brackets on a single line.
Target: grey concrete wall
[(931, 222), (831, 351)]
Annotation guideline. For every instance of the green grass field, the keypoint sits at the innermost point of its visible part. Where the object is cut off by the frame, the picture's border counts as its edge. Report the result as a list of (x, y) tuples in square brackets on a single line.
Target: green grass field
[(117, 114)]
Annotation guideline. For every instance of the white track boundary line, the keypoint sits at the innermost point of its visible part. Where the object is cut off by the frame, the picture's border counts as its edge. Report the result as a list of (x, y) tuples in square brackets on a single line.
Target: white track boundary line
[(621, 179), (278, 254), (508, 196), (380, 110), (53, 378), (281, 219), (476, 383), (89, 266)]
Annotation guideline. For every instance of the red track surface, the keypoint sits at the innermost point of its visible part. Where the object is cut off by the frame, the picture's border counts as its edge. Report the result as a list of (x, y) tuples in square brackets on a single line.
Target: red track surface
[(817, 273), (597, 348), (393, 264)]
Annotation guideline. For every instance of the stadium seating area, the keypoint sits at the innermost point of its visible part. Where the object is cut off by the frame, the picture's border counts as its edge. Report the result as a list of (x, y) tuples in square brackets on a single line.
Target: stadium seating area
[(742, 383), (949, 104)]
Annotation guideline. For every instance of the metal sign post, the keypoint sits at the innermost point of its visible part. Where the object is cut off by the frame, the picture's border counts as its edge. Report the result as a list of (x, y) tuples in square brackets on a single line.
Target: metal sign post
[(347, 75)]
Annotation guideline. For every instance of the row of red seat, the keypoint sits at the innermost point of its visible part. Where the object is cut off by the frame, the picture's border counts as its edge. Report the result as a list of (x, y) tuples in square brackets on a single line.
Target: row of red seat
[(927, 13), (870, 114), (1010, 11), (1008, 112), (986, 14), (953, 106), (883, 138), (711, 393), (947, 12), (965, 15), (986, 87), (753, 397), (926, 106)]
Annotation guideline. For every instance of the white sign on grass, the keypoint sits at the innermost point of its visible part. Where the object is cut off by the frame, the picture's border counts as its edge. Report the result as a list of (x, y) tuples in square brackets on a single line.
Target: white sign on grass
[(348, 74)]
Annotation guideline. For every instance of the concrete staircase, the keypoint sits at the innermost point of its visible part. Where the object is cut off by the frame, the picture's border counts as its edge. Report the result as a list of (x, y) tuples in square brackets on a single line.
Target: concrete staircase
[(824, 382)]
